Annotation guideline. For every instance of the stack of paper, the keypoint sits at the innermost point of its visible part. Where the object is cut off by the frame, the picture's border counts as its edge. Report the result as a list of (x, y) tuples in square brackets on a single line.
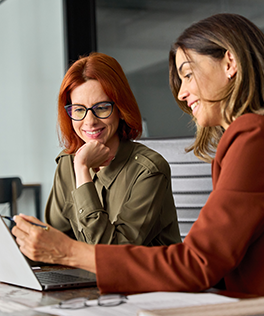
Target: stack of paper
[(148, 301), (245, 307)]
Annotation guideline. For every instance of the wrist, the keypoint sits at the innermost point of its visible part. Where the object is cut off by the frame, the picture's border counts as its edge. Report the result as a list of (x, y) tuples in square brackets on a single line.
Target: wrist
[(83, 175), (82, 255)]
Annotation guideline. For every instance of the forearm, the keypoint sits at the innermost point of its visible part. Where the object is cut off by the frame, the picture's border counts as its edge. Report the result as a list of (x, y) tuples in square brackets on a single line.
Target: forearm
[(82, 175), (81, 255)]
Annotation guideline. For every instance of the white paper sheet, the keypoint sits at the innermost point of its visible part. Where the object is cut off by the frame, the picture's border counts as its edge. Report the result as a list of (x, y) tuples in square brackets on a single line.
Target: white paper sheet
[(155, 300)]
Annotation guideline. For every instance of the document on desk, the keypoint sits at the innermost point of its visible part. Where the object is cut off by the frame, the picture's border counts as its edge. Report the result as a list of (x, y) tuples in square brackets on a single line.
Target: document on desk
[(147, 301)]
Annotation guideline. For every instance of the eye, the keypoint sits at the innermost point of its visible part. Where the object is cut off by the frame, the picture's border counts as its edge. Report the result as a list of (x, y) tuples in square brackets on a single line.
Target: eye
[(79, 109), (188, 75), (102, 107)]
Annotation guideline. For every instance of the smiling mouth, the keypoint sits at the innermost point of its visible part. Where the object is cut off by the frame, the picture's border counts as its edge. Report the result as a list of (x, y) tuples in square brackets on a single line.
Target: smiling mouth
[(94, 132), (194, 105)]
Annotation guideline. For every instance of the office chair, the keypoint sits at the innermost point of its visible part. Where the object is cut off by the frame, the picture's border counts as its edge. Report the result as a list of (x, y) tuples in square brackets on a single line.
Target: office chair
[(190, 177), (10, 191)]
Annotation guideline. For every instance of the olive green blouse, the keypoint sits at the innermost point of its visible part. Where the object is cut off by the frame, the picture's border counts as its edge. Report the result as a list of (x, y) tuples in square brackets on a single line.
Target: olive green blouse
[(129, 201)]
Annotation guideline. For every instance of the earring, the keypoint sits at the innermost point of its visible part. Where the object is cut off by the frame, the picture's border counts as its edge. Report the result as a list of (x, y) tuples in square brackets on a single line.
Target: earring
[(229, 77)]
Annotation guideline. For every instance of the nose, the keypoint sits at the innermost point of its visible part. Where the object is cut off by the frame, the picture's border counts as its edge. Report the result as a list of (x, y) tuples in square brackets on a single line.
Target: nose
[(90, 118), (183, 93)]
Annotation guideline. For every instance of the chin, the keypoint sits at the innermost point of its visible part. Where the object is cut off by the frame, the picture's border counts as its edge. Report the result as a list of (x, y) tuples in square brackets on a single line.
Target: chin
[(203, 123)]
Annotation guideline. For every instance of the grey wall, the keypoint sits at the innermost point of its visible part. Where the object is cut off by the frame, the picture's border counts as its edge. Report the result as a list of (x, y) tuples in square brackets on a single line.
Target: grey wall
[(157, 105)]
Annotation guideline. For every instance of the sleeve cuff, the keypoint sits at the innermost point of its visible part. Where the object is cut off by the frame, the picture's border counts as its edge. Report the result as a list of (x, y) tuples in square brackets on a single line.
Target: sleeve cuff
[(86, 198)]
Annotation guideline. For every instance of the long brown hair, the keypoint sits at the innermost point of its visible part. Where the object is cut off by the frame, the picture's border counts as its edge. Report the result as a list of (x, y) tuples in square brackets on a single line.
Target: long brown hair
[(212, 37), (110, 74)]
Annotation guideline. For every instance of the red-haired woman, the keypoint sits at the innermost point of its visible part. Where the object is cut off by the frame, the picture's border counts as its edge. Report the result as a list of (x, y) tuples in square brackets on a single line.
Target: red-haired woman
[(107, 188)]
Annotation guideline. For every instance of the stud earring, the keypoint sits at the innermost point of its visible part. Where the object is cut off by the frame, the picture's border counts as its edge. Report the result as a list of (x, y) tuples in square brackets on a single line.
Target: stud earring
[(229, 77)]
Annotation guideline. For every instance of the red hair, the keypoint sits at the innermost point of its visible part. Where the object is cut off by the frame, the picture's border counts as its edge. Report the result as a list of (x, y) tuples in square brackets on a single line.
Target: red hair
[(110, 74)]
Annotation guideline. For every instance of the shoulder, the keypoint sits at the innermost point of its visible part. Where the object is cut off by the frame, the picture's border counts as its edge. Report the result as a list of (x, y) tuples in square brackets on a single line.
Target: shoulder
[(246, 131), (150, 159), (64, 177), (64, 158), (248, 122), (65, 170), (251, 124)]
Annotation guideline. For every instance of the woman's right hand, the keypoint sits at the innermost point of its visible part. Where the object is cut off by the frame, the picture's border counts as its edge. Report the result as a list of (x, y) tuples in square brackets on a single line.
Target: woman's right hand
[(51, 246), (92, 154)]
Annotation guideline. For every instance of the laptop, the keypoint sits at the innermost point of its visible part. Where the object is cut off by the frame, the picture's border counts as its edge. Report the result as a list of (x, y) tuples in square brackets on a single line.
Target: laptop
[(16, 270)]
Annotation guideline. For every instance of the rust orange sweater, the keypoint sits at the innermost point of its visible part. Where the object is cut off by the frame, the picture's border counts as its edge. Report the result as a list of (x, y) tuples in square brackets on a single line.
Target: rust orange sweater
[(227, 240)]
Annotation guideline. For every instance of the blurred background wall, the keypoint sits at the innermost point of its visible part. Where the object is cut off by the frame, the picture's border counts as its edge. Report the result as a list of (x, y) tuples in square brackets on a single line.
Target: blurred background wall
[(31, 70)]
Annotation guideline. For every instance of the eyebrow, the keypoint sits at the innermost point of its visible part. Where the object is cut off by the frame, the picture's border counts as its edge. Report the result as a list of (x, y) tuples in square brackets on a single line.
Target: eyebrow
[(185, 62)]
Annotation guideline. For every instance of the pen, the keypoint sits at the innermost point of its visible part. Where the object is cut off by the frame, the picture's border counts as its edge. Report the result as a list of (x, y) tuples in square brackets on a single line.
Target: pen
[(12, 220)]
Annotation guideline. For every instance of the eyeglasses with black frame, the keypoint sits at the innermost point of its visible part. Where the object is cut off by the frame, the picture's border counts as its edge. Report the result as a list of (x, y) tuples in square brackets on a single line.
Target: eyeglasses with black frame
[(107, 300), (102, 110)]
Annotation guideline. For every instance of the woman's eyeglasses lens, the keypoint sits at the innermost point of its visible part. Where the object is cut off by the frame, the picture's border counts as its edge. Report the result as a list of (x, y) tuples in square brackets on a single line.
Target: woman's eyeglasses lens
[(103, 300), (78, 112), (74, 303), (111, 300)]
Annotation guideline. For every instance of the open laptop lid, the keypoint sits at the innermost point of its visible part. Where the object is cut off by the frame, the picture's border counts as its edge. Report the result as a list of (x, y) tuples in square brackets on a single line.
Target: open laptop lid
[(15, 269)]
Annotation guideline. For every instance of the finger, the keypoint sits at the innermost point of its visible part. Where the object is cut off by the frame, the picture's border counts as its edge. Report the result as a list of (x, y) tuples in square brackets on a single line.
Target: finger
[(26, 248), (20, 241), (21, 224), (31, 219), (26, 225)]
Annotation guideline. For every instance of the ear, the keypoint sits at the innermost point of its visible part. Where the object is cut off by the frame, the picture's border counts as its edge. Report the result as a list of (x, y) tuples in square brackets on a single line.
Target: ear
[(121, 116), (230, 64)]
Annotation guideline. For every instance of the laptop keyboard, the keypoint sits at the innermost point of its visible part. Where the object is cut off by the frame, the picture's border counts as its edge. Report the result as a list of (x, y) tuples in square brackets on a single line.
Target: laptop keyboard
[(51, 277)]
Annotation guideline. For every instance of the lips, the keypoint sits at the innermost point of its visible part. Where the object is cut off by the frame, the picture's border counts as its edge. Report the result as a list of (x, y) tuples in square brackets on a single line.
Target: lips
[(94, 132), (194, 104)]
